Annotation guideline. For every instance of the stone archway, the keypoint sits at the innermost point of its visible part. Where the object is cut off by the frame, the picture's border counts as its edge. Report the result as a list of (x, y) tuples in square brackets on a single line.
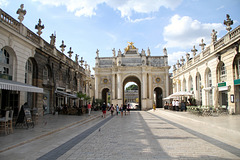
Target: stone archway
[(105, 93), (131, 65), (137, 81), (158, 95)]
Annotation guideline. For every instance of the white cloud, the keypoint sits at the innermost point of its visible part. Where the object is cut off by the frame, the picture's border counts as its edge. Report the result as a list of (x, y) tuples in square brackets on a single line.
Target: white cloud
[(158, 45), (126, 7), (173, 57), (185, 32), (221, 7), (141, 19), (3, 3), (112, 36)]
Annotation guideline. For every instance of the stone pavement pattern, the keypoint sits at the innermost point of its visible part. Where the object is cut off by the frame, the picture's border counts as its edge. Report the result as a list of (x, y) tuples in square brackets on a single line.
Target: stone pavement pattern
[(143, 135)]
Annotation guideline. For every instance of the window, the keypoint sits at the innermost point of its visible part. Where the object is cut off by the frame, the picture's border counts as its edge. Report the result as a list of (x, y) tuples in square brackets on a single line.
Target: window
[(45, 73), (6, 54), (223, 73), (5, 70), (209, 79), (5, 66), (28, 72)]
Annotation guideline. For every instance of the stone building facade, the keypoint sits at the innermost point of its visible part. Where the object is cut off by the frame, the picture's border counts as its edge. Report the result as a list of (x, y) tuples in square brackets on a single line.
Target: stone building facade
[(150, 73), (34, 71), (213, 74)]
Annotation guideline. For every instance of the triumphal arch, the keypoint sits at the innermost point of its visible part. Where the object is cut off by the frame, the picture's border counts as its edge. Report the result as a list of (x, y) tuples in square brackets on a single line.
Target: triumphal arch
[(150, 73)]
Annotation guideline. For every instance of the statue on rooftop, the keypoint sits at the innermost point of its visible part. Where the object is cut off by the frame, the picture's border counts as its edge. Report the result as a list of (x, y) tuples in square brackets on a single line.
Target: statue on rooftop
[(53, 39), (22, 12), (214, 36), (39, 27), (148, 52), (228, 23), (76, 58), (97, 53), (165, 51), (63, 46), (114, 52), (130, 46)]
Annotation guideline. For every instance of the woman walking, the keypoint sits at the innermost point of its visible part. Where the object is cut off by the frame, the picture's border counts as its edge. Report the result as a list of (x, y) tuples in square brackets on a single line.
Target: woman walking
[(121, 109), (104, 108), (117, 109)]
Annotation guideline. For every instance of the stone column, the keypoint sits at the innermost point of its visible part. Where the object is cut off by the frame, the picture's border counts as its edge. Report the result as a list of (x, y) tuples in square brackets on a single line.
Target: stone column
[(96, 86), (119, 86), (167, 84), (150, 86), (113, 86), (144, 83)]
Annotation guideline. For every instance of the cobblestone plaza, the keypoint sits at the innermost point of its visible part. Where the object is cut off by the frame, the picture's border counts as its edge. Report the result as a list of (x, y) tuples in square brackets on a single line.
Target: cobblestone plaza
[(140, 135)]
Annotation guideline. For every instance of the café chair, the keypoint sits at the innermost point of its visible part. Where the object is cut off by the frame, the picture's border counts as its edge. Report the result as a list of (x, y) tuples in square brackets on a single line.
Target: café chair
[(4, 123)]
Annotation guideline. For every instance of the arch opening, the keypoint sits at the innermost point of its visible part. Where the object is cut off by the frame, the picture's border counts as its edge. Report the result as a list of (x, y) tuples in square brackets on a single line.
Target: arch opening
[(129, 97), (106, 95), (158, 97)]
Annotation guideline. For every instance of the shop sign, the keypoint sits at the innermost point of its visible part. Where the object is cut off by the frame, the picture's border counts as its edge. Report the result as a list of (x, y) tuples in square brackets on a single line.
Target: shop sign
[(223, 84), (237, 82), (5, 76)]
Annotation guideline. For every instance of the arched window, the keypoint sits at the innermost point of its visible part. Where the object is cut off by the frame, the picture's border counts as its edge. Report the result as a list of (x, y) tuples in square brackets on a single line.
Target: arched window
[(190, 84), (223, 73), (184, 85), (209, 78), (45, 73), (209, 98), (28, 72), (6, 64)]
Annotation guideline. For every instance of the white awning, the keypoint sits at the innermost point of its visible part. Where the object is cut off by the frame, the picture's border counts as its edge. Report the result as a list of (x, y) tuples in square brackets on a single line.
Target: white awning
[(66, 94), (18, 86)]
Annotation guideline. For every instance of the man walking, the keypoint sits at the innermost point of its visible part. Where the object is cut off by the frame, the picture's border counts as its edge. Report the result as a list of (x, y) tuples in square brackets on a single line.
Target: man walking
[(89, 108)]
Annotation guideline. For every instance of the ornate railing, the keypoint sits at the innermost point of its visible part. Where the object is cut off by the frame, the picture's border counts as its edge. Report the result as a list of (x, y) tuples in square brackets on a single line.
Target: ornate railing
[(234, 33), (33, 37), (197, 58), (219, 43), (48, 47), (206, 51), (9, 20)]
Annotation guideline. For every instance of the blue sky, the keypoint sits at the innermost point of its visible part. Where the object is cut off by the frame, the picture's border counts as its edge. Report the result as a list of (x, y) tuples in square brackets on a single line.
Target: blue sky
[(88, 25)]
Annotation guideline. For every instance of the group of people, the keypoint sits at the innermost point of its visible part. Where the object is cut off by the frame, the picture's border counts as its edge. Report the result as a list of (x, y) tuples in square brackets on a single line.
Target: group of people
[(112, 108), (175, 105)]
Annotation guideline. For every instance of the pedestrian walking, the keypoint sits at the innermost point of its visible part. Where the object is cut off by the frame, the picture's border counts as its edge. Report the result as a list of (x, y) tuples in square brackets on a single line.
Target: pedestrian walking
[(125, 109), (177, 105), (154, 107), (128, 109), (112, 109), (121, 109), (174, 105), (104, 108), (117, 109), (183, 106), (89, 108)]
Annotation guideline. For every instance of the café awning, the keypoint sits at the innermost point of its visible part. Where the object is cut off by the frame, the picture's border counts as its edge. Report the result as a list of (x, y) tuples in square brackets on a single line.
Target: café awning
[(18, 86), (66, 94)]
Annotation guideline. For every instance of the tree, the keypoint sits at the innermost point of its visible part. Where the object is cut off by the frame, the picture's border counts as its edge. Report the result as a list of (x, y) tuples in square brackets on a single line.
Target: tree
[(83, 96), (132, 87)]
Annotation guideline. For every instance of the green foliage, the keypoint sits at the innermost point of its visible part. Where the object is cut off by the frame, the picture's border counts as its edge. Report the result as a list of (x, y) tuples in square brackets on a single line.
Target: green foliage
[(132, 87), (99, 102), (83, 96)]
